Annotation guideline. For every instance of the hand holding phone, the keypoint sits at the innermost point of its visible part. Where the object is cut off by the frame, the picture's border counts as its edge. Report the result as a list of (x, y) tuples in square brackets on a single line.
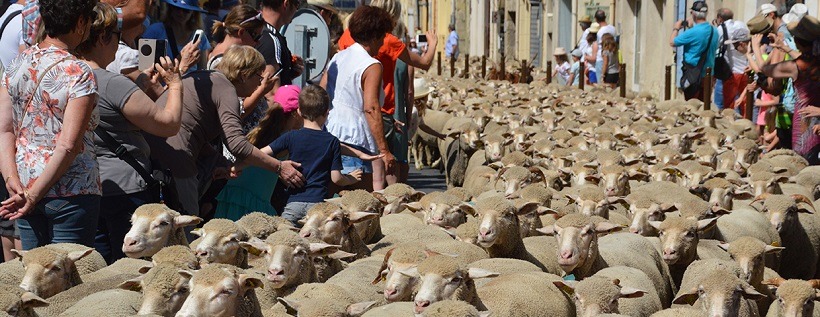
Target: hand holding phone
[(197, 36)]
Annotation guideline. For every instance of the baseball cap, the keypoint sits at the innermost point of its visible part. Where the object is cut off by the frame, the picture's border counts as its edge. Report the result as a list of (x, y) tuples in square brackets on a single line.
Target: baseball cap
[(700, 6), (740, 34), (789, 18), (800, 10), (767, 8), (577, 53), (288, 97)]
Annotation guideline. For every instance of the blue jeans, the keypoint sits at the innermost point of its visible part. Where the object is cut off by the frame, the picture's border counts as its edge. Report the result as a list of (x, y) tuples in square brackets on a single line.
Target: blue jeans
[(719, 94), (599, 69), (115, 221), (350, 163), (61, 220), (295, 211)]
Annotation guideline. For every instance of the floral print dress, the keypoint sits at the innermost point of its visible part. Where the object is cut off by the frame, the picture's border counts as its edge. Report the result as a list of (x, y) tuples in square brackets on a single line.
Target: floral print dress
[(38, 123)]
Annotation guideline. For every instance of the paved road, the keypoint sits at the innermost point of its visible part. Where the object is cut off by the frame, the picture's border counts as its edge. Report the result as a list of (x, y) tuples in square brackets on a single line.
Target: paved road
[(426, 180)]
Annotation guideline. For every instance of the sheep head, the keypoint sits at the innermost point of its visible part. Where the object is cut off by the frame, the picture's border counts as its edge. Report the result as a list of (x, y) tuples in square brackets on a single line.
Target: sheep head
[(517, 177), (782, 211), (643, 210), (289, 257), (18, 303), (679, 238), (397, 286), (498, 220), (154, 226), (219, 243), (591, 201), (329, 223), (722, 192), (323, 308), (49, 271), (396, 197), (595, 295), (767, 182), (750, 253), (495, 146), (795, 297), (217, 291), (719, 293), (577, 238), (442, 278), (163, 290), (441, 209)]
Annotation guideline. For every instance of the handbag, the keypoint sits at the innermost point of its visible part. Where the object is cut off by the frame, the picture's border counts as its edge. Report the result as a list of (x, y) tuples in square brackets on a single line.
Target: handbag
[(722, 69), (159, 180), (691, 77)]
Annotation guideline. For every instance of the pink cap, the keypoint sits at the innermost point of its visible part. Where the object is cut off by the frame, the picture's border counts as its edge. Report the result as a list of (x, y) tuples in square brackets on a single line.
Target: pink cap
[(288, 97)]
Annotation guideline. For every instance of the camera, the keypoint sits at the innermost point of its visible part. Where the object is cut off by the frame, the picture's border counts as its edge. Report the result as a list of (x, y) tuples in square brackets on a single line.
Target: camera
[(684, 24), (150, 52)]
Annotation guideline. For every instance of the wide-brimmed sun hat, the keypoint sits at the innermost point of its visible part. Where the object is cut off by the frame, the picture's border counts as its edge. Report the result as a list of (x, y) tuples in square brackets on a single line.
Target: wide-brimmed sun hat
[(800, 10), (594, 28), (808, 29), (560, 51), (584, 19), (421, 88), (767, 8), (190, 5), (760, 24)]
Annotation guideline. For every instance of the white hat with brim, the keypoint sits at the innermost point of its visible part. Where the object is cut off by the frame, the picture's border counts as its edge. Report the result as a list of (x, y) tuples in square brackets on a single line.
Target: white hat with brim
[(421, 88), (789, 18), (767, 8), (800, 10), (741, 34), (560, 51)]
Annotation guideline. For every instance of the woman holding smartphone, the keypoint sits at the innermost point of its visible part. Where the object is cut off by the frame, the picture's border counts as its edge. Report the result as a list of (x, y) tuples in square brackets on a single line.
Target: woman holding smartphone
[(178, 25)]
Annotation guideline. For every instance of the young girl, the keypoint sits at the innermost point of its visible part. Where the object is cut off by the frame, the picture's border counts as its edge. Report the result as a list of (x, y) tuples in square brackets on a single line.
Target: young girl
[(561, 65), (574, 72), (610, 55), (590, 53)]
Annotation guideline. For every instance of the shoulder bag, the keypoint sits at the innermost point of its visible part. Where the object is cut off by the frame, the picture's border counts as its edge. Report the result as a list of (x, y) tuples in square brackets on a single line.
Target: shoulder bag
[(693, 75), (722, 68)]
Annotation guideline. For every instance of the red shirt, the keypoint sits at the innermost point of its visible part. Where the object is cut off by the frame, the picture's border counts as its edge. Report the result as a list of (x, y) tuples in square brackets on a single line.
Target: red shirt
[(388, 55)]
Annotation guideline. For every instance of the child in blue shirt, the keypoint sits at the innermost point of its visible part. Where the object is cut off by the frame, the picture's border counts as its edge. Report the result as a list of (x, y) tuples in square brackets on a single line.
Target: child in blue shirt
[(318, 152)]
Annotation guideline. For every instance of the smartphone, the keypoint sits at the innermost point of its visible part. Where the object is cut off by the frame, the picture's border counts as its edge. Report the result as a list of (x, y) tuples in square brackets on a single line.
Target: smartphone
[(150, 52), (421, 38), (197, 35)]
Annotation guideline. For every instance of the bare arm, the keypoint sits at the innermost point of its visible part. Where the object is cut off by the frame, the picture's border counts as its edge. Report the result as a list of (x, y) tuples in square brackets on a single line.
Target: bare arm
[(344, 179), (371, 84), (8, 147), (272, 69), (421, 61), (148, 116), (781, 70), (251, 102)]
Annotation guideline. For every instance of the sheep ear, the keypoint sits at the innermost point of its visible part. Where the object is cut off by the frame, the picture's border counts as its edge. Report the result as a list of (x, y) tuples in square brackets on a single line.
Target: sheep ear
[(549, 230), (416, 195), (186, 274), (749, 292), (451, 231), (772, 249), (19, 253), (380, 197), (360, 216), (467, 209), (254, 246), (75, 256), (414, 206), (335, 200), (655, 224), (291, 306), (249, 282), (146, 268), (606, 227), (199, 232), (186, 221), (687, 298), (629, 292), (566, 286), (724, 246), (338, 255), (774, 281), (527, 208), (410, 272), (358, 309), (706, 224), (495, 165), (31, 300), (545, 210), (475, 273), (488, 314), (323, 249), (134, 285)]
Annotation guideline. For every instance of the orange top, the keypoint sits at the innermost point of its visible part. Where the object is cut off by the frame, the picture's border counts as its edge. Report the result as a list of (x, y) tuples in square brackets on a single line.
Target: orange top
[(388, 55)]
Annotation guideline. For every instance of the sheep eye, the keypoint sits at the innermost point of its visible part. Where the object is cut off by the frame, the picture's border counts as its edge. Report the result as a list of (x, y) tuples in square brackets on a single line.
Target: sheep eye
[(55, 268), (182, 290), (456, 280), (226, 292), (690, 234), (317, 260), (162, 223)]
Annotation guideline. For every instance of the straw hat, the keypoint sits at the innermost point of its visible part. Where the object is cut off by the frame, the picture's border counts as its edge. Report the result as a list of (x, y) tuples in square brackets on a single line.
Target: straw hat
[(560, 51), (594, 28), (760, 24), (421, 88), (324, 4), (808, 28), (584, 19)]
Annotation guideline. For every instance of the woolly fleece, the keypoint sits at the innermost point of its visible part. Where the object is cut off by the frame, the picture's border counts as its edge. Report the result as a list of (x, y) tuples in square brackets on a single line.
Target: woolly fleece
[(449, 308)]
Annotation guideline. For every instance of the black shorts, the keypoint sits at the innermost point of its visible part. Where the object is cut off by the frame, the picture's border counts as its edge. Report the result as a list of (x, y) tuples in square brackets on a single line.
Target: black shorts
[(611, 78)]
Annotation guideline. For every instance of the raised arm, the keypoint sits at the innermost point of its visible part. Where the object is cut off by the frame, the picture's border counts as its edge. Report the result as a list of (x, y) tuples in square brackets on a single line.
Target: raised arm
[(422, 61), (148, 116)]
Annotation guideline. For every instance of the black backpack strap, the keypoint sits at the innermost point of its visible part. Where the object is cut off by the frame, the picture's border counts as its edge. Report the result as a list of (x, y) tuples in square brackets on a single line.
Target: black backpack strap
[(725, 38), (705, 54), (8, 20), (122, 153), (172, 41)]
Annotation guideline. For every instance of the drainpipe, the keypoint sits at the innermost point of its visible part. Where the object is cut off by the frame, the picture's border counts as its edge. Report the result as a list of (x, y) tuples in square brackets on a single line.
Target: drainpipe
[(680, 14)]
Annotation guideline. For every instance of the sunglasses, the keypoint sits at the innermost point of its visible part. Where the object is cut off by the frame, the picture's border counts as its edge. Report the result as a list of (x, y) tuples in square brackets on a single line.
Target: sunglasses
[(257, 17)]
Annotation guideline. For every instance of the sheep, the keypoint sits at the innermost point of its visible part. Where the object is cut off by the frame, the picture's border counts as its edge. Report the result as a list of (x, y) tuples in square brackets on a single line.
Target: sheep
[(289, 260), (178, 255), (643, 208), (397, 196), (110, 303), (331, 224), (456, 150), (582, 253), (50, 270), (495, 146), (795, 298), (721, 193), (615, 181), (460, 192), (163, 289), (590, 200), (746, 222), (810, 179), (443, 278), (750, 254), (540, 195), (517, 177), (219, 243), (64, 300), (221, 290), (694, 173), (766, 182), (154, 226), (616, 290), (322, 308), (19, 303), (480, 180), (797, 227), (362, 201), (328, 265), (127, 266), (426, 144), (468, 231), (261, 225), (721, 293), (746, 152), (441, 209), (681, 243), (392, 223)]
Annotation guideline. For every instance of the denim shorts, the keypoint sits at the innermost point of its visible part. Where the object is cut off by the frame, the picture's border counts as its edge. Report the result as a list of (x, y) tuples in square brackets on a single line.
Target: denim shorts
[(62, 219), (295, 211), (350, 163)]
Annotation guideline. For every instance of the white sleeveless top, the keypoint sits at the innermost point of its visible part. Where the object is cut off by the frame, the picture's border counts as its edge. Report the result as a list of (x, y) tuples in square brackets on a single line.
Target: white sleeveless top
[(346, 120)]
